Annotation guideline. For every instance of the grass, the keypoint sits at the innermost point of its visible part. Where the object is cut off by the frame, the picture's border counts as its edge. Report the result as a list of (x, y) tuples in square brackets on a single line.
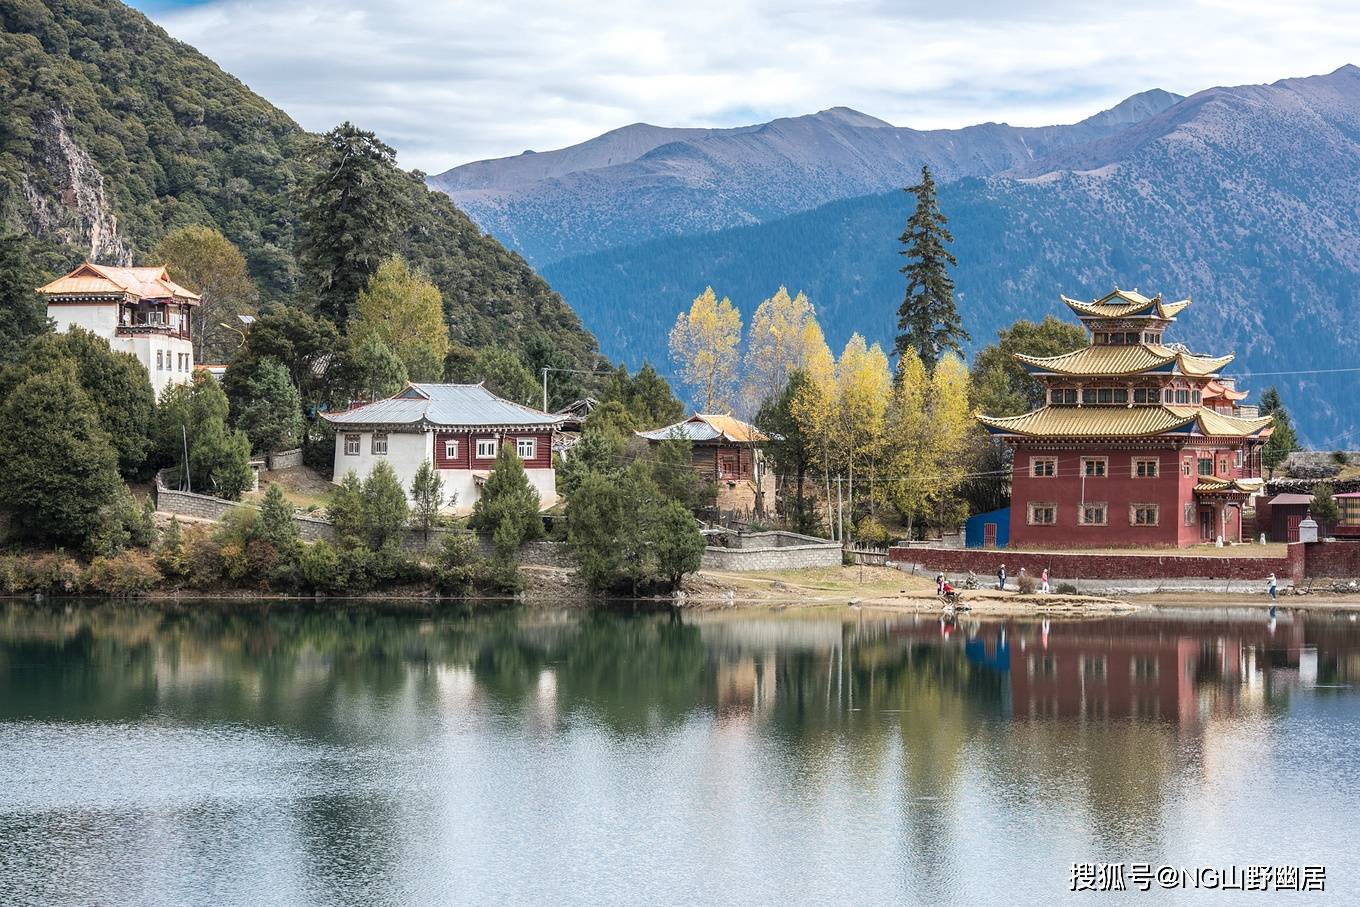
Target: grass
[(303, 487)]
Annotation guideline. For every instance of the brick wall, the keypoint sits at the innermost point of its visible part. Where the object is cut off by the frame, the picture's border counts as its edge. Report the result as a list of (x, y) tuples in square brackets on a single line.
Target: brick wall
[(1339, 560), (1093, 566)]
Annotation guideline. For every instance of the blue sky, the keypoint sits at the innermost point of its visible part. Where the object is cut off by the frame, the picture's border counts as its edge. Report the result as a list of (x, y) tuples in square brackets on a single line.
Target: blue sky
[(449, 81)]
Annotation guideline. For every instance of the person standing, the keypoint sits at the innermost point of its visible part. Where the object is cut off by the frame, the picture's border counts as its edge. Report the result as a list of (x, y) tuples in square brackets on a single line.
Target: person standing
[(1043, 581), (1001, 577), (1272, 586)]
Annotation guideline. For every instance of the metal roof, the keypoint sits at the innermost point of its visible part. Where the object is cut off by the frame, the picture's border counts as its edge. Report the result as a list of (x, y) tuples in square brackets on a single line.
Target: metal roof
[(708, 427), (445, 406), (1291, 498), (104, 280)]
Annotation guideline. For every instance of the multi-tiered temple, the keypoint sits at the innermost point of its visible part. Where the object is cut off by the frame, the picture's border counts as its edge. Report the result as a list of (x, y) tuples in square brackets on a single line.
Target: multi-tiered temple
[(1141, 443)]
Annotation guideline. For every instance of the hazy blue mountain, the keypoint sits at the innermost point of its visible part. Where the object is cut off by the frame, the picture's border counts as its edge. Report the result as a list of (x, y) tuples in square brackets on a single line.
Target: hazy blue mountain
[(1247, 199), (644, 182)]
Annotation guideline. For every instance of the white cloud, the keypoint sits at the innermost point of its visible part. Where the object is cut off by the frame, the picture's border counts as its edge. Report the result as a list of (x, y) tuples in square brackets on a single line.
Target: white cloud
[(449, 82)]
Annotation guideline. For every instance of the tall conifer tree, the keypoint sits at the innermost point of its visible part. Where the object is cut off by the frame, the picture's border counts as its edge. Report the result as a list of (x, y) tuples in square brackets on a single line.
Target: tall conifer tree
[(927, 320)]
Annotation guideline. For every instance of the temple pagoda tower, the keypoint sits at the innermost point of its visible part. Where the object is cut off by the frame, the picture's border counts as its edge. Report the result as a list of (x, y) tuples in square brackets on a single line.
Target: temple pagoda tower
[(1140, 444)]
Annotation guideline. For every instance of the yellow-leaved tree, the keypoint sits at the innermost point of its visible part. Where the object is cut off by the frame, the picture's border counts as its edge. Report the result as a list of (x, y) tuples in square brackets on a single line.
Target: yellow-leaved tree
[(907, 445), (782, 336), (863, 385), (950, 424), (704, 345), (406, 312)]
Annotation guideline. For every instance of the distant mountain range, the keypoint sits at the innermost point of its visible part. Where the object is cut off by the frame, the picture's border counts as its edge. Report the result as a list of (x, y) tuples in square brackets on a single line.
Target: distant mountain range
[(1246, 198), (644, 182)]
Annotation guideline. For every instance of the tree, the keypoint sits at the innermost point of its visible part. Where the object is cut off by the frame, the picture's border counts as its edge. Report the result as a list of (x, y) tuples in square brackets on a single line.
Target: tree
[(645, 398), (270, 409), (599, 452), (704, 345), (276, 524), (927, 319), (1001, 385), (908, 441), (49, 492), (676, 542), (348, 217), (345, 510), (863, 386), (672, 464), (1282, 441), (302, 343), (192, 420), (384, 507), (782, 336), (370, 371), (427, 497), (1324, 508), (25, 314), (605, 520), (115, 383), (792, 449), (564, 381), (950, 427), (505, 375), (508, 507), (206, 262), (406, 312)]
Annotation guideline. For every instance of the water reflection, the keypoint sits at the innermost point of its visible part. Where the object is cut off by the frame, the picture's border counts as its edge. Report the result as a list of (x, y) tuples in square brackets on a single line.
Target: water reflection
[(311, 756)]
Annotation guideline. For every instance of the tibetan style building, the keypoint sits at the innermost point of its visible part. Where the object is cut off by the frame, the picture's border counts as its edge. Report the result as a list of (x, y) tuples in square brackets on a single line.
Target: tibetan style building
[(137, 310), (1140, 443)]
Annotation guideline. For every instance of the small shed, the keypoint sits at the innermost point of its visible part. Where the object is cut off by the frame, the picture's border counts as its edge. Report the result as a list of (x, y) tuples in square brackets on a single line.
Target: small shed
[(988, 530), (1280, 516)]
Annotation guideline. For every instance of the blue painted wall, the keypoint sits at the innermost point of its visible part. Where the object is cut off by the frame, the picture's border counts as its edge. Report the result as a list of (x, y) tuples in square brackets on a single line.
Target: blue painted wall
[(973, 533)]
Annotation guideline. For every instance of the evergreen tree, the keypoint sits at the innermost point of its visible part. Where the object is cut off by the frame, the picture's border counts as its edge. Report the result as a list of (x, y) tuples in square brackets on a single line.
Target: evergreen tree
[(25, 315), (349, 217), (61, 469), (345, 510), (605, 520), (194, 416), (371, 371), (927, 319), (269, 410), (792, 450), (676, 542), (504, 374), (219, 459), (115, 383), (427, 497), (304, 344), (1001, 386), (1324, 507), (1282, 441), (509, 506), (672, 463), (275, 524), (384, 507)]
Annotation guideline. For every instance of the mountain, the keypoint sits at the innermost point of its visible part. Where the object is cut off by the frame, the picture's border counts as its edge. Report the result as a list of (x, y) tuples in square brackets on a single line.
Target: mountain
[(644, 182), (1246, 198), (112, 134)]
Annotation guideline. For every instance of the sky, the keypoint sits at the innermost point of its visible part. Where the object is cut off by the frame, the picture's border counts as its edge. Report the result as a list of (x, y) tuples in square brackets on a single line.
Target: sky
[(451, 81)]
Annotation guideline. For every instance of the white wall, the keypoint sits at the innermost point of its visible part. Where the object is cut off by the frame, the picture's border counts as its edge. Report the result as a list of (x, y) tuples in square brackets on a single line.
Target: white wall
[(407, 450), (102, 320)]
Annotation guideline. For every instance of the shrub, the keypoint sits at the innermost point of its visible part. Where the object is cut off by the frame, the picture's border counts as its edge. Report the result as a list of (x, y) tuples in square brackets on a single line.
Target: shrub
[(203, 558), (319, 568), (128, 573), (1027, 584), (55, 572), (172, 556), (1339, 457), (872, 532), (1065, 589), (11, 575), (384, 506), (457, 562)]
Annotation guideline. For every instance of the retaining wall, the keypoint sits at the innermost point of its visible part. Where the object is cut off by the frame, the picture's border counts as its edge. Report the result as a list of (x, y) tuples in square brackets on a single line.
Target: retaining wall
[(1066, 566), (772, 551), (285, 459)]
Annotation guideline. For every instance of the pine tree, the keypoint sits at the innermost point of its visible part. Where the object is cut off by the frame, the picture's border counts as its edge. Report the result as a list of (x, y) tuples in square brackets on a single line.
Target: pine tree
[(927, 319), (25, 314), (427, 497), (508, 507), (349, 217), (1324, 507), (385, 509), (275, 524), (1282, 440), (270, 412)]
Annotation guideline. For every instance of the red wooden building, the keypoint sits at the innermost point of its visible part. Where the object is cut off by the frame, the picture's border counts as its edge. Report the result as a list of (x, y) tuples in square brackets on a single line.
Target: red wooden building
[(1141, 443)]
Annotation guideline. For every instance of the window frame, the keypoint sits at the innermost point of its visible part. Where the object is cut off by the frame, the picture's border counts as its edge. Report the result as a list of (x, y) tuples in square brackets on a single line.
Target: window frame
[(533, 448), (1190, 511), (1199, 466), (353, 443), (494, 447), (1102, 462), (1034, 463), (1139, 461), (377, 444), (1092, 505), (1032, 506), (1155, 510), (1223, 466), (450, 448)]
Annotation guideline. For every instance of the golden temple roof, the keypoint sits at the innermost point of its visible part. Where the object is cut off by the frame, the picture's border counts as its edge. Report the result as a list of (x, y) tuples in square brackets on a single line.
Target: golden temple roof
[(1124, 422), (1127, 304), (1113, 361), (111, 280), (1215, 485)]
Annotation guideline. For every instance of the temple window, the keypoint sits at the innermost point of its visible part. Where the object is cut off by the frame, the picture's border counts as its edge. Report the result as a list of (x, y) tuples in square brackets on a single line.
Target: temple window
[(1195, 397), (1188, 466), (1182, 396), (1145, 468), (1206, 466), (379, 444), (1143, 514), (1042, 514), (1146, 395), (1063, 395), (1095, 467), (1223, 466), (1093, 515), (351, 445), (1043, 467)]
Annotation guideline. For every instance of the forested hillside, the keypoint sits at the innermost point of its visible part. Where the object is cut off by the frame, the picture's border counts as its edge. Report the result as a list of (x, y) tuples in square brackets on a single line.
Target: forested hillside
[(1245, 199), (112, 134)]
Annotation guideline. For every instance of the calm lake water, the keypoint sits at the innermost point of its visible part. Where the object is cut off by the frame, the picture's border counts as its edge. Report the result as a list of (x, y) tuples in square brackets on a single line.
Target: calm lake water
[(289, 756)]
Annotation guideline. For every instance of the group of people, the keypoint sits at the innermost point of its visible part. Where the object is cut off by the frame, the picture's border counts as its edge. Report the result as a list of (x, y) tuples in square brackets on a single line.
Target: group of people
[(1001, 578)]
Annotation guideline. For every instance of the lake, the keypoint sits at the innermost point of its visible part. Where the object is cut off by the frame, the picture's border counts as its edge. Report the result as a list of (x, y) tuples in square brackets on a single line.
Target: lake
[(284, 755)]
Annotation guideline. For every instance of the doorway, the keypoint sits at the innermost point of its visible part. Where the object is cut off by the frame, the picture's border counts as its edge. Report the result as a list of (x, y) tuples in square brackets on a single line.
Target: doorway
[(1206, 524)]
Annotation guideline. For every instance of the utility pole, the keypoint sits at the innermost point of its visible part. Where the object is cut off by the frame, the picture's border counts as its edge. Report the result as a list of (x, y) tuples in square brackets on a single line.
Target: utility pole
[(840, 513), (545, 390)]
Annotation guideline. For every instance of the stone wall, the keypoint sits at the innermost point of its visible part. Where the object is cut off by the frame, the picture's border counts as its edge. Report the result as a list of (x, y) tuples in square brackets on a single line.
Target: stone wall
[(772, 551), (285, 459), (1061, 567)]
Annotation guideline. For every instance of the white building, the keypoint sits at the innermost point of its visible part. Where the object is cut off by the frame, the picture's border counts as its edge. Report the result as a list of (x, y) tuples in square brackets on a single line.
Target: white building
[(459, 428), (137, 310)]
